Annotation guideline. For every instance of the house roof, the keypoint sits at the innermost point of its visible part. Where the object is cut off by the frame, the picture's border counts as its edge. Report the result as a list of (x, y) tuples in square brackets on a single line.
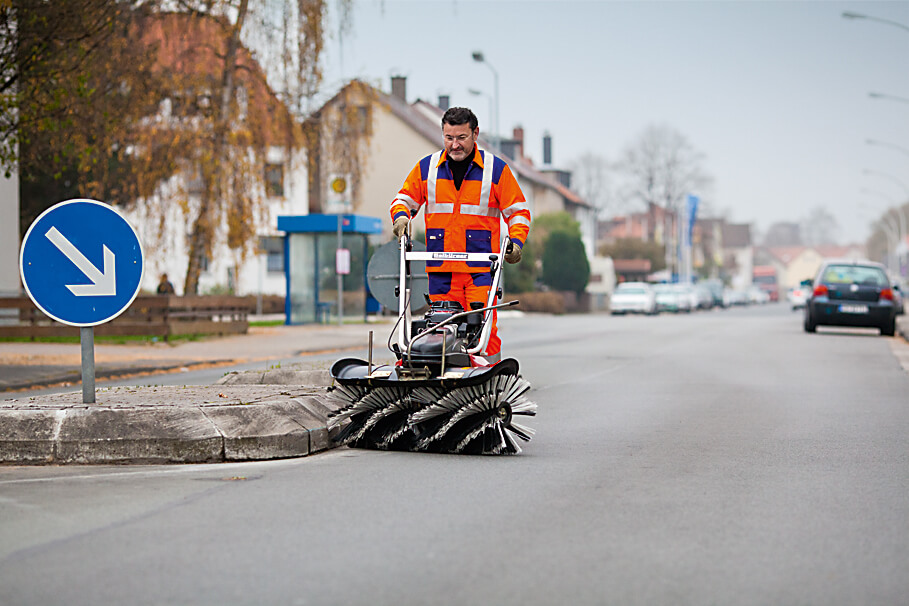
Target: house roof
[(631, 265)]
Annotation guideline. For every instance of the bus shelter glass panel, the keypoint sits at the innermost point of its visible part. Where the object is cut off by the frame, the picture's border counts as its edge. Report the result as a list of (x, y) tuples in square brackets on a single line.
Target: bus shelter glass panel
[(302, 249), (354, 283)]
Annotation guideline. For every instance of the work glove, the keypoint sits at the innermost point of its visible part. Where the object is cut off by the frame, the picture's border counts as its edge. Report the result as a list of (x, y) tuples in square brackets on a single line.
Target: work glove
[(512, 253), (400, 226)]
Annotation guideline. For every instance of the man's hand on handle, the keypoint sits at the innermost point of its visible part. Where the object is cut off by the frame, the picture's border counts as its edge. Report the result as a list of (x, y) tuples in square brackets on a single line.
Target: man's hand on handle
[(400, 226), (512, 253)]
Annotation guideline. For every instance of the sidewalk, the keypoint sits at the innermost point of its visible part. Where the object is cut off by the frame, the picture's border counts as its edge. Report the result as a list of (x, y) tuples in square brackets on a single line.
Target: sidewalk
[(31, 365), (247, 416)]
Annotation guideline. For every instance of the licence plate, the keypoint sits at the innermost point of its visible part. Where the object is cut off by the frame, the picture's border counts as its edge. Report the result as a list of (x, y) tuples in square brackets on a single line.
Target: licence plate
[(854, 309)]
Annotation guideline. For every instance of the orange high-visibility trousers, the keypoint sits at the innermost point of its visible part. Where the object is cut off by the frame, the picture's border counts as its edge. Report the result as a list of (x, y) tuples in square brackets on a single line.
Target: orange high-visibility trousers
[(466, 288)]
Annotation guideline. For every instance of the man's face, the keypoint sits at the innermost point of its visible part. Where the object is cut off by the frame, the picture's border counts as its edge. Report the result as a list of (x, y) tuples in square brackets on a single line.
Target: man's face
[(459, 140)]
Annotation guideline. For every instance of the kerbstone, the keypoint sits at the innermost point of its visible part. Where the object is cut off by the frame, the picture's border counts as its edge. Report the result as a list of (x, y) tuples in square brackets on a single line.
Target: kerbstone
[(258, 432), (26, 436), (154, 435)]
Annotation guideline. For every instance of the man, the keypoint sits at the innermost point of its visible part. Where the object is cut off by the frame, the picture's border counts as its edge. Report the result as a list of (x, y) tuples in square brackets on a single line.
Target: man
[(467, 192), (165, 287)]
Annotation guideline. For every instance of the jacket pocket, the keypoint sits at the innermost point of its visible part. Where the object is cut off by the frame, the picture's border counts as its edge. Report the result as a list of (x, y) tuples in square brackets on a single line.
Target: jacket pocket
[(435, 242), (478, 241)]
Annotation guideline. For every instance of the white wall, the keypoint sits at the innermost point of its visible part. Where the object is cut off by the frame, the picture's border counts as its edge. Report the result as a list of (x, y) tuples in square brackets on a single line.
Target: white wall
[(9, 235), (168, 252)]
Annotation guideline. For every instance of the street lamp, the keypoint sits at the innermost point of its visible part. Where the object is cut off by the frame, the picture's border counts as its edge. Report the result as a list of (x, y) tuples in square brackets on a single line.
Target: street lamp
[(479, 58), (884, 144), (851, 15), (883, 96)]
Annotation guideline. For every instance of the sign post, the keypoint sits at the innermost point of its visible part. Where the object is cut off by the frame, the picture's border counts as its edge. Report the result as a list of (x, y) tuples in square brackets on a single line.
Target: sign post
[(81, 264)]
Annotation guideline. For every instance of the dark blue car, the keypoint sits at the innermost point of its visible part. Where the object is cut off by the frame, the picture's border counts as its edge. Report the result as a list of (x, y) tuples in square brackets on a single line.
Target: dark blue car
[(851, 293)]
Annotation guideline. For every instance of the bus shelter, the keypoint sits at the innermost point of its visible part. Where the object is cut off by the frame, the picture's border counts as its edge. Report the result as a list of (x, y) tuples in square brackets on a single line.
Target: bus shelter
[(313, 263)]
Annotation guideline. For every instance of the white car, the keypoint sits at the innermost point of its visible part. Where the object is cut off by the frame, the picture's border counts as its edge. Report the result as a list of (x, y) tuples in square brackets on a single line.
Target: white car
[(634, 298), (668, 298), (798, 296)]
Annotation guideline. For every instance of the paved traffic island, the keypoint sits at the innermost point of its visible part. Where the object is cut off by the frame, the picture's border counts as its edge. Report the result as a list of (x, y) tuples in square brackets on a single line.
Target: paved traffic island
[(240, 419)]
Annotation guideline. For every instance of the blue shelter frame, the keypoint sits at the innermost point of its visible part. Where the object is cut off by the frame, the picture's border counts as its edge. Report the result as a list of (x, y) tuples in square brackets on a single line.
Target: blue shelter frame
[(310, 242)]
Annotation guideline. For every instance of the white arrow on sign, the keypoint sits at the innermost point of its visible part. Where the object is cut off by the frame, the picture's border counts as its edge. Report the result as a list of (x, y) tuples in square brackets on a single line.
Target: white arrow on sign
[(103, 283)]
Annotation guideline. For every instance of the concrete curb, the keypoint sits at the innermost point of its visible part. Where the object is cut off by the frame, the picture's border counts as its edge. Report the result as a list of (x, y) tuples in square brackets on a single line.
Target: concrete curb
[(157, 425)]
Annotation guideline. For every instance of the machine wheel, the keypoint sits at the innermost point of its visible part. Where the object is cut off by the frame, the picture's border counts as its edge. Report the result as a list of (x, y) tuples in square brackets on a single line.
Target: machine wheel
[(889, 328), (810, 324)]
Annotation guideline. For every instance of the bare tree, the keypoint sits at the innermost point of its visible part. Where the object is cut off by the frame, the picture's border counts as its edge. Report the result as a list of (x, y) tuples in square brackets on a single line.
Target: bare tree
[(208, 110), (819, 227), (590, 178), (659, 169)]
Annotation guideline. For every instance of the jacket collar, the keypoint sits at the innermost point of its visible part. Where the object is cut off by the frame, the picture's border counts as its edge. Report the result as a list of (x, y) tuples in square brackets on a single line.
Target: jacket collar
[(477, 157)]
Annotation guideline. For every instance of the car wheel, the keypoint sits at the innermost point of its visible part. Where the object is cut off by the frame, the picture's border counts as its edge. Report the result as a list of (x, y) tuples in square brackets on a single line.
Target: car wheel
[(889, 328), (810, 325)]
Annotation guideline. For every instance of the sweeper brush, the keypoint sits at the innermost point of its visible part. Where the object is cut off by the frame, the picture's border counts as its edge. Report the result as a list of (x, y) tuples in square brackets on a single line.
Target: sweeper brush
[(440, 395)]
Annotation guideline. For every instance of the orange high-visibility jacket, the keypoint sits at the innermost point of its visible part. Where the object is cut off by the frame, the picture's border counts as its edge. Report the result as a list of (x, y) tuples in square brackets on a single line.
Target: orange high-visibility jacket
[(465, 220)]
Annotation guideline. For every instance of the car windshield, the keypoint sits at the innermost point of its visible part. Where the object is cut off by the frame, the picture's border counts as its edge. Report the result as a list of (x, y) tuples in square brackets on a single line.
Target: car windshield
[(855, 274)]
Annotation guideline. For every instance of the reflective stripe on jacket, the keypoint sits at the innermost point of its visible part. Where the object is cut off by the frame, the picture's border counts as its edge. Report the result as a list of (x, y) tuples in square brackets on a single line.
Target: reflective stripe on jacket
[(465, 220)]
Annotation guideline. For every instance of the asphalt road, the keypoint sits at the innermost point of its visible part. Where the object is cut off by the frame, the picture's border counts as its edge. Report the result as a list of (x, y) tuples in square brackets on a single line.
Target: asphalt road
[(718, 458)]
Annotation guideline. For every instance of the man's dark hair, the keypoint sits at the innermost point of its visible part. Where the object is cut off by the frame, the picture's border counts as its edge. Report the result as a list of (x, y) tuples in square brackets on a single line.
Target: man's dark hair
[(460, 115)]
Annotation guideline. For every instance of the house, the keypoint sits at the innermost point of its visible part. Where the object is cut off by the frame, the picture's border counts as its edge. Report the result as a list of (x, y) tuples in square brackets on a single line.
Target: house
[(189, 46), (738, 254), (797, 263), (390, 136)]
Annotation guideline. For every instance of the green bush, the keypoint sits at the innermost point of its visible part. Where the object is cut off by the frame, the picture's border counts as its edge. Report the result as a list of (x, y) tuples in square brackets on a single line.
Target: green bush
[(565, 265)]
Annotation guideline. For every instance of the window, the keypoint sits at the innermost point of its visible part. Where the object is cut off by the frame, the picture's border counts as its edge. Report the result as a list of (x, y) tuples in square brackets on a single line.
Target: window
[(273, 249), (274, 180)]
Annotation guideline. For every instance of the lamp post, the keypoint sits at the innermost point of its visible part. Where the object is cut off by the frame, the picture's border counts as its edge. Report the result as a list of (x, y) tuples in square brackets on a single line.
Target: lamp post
[(852, 15), (479, 58)]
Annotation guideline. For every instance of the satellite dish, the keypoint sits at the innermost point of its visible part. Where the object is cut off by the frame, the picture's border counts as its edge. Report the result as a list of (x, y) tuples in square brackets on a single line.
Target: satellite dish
[(383, 275)]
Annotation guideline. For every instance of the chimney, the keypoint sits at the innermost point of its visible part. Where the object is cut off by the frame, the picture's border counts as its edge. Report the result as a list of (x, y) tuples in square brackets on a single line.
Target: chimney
[(399, 87), (444, 102), (518, 135), (547, 149)]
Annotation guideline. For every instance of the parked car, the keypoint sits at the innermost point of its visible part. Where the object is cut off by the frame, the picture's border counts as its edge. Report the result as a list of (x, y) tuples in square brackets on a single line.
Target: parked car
[(898, 291), (852, 293), (758, 296), (798, 295), (668, 298), (689, 298), (705, 297), (633, 297), (716, 289)]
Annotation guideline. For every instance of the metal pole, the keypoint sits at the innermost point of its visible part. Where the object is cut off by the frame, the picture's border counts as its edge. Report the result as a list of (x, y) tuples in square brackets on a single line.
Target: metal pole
[(87, 336), (340, 275)]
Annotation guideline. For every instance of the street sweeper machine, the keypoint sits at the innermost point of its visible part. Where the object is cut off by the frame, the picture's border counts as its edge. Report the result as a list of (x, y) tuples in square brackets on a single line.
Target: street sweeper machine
[(440, 395)]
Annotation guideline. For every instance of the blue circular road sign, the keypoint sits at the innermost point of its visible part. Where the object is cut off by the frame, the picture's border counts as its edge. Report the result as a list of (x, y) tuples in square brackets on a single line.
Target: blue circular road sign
[(81, 262)]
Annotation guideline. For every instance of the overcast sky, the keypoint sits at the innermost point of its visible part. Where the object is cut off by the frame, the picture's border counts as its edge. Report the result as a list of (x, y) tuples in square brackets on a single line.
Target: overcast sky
[(774, 94)]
